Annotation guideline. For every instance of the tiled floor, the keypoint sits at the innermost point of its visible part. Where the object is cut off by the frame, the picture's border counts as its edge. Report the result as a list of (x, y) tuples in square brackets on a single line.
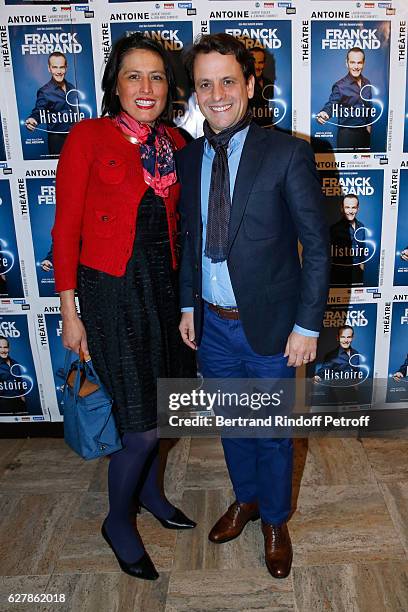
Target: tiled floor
[(349, 532)]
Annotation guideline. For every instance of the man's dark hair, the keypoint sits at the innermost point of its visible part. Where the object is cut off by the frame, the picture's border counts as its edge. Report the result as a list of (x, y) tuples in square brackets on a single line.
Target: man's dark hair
[(222, 43), (57, 54), (6, 339), (350, 195), (355, 50), (137, 40), (343, 328), (261, 49)]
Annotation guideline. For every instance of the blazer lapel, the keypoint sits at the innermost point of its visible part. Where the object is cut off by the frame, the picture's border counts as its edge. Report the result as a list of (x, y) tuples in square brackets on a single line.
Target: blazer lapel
[(194, 171), (250, 162)]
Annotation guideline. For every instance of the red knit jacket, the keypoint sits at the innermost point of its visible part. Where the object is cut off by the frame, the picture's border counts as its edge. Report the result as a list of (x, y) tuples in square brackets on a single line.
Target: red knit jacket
[(99, 188)]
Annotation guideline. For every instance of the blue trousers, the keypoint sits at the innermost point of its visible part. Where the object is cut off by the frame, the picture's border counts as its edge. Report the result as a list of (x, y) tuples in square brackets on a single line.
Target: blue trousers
[(259, 468)]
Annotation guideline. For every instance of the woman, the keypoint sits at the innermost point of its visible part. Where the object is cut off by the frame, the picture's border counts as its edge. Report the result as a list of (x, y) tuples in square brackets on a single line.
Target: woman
[(114, 240)]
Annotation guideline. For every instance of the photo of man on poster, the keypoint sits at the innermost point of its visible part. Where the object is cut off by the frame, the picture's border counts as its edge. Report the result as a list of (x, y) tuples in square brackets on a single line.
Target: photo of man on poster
[(340, 369), (10, 372), (348, 250), (55, 101), (261, 103), (350, 105)]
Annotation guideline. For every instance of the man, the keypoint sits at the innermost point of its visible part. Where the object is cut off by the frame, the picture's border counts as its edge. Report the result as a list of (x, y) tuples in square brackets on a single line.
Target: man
[(350, 105), (341, 369), (348, 248), (54, 97), (262, 108), (344, 359), (247, 195), (10, 371)]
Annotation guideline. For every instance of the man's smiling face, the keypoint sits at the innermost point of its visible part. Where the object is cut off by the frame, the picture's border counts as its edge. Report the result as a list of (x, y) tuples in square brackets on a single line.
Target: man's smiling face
[(221, 89)]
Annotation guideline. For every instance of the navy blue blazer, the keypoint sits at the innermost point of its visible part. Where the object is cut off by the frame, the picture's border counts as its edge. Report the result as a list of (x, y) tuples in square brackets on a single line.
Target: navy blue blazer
[(277, 200)]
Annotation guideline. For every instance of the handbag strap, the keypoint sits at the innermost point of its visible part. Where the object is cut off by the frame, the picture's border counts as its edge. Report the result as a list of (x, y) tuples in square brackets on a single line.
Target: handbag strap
[(67, 362)]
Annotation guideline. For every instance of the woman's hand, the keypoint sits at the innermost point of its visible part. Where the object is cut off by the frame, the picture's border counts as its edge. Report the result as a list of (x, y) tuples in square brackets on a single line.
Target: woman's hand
[(74, 335)]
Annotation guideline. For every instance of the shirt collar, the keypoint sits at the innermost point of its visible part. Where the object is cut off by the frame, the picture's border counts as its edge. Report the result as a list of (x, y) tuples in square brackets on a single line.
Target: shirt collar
[(235, 143)]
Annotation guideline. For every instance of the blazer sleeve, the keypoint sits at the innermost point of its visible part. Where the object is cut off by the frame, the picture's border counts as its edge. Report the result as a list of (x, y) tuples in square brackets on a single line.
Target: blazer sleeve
[(71, 187), (302, 191)]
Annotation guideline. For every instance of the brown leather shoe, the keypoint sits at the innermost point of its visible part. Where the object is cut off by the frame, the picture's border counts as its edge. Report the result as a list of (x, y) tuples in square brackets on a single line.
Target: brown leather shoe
[(278, 549), (230, 525)]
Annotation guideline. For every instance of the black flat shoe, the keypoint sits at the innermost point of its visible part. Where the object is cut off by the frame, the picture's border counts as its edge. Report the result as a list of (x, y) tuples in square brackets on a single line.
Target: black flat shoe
[(178, 521), (143, 568)]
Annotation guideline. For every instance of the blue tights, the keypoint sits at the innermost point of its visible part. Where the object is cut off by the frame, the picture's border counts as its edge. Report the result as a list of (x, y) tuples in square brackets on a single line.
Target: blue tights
[(134, 468)]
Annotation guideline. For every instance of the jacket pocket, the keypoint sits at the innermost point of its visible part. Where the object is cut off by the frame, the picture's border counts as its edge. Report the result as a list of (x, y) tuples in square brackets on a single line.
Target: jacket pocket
[(111, 170), (283, 290), (105, 223)]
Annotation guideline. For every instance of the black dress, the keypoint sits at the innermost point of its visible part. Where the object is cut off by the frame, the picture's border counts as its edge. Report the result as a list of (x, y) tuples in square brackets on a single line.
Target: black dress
[(132, 322)]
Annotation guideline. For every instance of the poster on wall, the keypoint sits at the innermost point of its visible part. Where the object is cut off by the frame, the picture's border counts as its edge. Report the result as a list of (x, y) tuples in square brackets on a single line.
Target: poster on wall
[(10, 272), (41, 202), (401, 248), (397, 387), (54, 84), (342, 374), (350, 86), (354, 207), (270, 44), (174, 36), (57, 355), (19, 392)]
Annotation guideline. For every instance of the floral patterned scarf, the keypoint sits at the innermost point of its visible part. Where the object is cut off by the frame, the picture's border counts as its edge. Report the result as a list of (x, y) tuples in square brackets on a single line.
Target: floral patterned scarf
[(156, 152)]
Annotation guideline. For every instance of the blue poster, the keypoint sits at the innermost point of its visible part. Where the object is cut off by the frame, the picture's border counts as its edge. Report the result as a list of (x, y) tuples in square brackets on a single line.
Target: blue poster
[(57, 354), (54, 83), (18, 383), (349, 87), (401, 247), (354, 206), (10, 273), (397, 387), (270, 44), (41, 202), (342, 374), (174, 36), (2, 147)]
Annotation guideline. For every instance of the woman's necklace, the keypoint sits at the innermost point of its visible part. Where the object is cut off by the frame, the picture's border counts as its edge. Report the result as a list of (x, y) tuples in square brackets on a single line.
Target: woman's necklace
[(131, 139)]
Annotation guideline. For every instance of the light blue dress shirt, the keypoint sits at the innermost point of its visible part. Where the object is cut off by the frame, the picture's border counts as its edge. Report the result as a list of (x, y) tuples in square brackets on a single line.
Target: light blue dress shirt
[(216, 286)]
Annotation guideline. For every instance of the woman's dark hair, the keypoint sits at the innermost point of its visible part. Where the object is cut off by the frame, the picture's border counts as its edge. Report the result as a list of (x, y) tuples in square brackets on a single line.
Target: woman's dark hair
[(221, 43), (137, 40)]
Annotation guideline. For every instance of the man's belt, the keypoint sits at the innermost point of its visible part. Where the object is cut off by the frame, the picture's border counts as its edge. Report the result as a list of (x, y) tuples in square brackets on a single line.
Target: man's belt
[(224, 313)]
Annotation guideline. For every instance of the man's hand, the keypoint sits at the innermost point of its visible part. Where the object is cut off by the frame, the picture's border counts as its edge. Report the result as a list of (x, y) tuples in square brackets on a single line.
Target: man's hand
[(300, 349), (31, 124), (398, 376), (316, 379), (322, 117), (46, 265), (404, 255), (186, 328)]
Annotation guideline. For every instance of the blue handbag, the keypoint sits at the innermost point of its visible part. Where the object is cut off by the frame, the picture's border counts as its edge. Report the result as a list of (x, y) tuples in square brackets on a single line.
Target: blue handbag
[(89, 425)]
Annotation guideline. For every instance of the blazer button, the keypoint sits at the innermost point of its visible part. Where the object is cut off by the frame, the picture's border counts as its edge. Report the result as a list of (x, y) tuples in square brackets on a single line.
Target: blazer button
[(105, 218), (197, 296), (112, 162)]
